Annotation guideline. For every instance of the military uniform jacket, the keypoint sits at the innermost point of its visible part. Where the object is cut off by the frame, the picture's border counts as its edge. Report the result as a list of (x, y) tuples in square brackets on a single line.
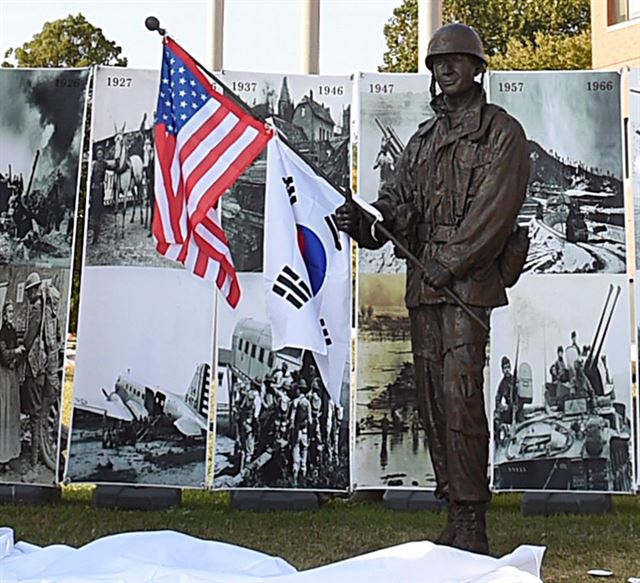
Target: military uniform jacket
[(455, 197)]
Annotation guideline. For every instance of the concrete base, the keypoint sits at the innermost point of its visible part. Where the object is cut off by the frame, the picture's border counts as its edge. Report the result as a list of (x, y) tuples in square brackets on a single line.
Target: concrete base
[(136, 497), (412, 500), (542, 504), (263, 501), (27, 494)]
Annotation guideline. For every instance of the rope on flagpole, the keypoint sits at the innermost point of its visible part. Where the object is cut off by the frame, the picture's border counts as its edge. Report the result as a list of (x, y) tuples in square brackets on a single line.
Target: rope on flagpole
[(153, 25)]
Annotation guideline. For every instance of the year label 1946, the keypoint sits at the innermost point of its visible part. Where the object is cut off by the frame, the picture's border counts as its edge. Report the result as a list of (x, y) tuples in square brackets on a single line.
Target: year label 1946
[(599, 85), (511, 86), (381, 87), (331, 89), (119, 81)]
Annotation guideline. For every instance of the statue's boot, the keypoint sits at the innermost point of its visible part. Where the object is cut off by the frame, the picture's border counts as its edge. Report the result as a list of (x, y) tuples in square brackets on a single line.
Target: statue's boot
[(470, 523), (448, 533)]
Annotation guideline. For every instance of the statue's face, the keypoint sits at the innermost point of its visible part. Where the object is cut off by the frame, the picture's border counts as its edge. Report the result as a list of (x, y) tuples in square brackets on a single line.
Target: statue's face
[(455, 72)]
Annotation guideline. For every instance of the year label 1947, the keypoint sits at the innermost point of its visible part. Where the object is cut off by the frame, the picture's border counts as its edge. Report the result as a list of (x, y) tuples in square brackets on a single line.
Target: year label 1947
[(119, 81), (381, 87), (599, 85), (511, 86)]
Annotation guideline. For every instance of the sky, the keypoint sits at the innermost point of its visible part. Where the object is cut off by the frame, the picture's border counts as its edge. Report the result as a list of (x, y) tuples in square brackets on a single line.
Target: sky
[(260, 35)]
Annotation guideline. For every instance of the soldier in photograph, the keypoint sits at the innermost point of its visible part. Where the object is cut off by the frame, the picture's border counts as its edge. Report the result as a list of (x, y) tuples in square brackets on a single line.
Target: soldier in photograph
[(453, 202), (42, 342)]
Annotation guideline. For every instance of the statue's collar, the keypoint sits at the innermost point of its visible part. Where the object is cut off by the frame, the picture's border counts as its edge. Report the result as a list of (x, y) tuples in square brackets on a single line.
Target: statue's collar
[(470, 119)]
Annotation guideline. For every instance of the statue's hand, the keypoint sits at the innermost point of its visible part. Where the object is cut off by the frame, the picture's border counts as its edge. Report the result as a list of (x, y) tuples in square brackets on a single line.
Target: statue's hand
[(347, 217), (436, 275)]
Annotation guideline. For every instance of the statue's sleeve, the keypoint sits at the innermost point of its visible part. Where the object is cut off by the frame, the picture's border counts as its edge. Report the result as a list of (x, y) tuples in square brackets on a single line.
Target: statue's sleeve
[(394, 200), (493, 211)]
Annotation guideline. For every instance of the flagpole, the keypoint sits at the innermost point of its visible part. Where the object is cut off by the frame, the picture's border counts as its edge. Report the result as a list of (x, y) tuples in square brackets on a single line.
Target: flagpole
[(153, 25)]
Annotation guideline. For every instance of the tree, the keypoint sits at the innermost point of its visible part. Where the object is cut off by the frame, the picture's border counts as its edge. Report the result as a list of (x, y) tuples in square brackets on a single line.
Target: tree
[(67, 42), (517, 34), (401, 33)]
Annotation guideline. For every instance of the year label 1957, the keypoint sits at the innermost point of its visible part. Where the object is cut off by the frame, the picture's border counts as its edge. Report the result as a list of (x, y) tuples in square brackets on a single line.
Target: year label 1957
[(119, 81), (511, 86)]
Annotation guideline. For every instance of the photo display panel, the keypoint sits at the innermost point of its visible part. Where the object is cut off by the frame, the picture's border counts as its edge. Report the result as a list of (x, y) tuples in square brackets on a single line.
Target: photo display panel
[(276, 426), (41, 132), (634, 158), (145, 344), (314, 113), (574, 206), (561, 385), (121, 173), (391, 449)]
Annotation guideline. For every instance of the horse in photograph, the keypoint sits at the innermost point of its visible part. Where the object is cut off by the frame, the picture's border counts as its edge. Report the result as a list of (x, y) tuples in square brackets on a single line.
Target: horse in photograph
[(128, 179)]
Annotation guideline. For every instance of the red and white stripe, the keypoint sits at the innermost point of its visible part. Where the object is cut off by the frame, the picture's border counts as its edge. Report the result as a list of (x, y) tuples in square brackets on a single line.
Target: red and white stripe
[(193, 170)]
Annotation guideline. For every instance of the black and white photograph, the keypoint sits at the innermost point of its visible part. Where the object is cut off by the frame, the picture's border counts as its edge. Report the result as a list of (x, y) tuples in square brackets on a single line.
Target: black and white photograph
[(561, 386), (574, 206), (142, 380), (121, 173), (634, 154), (276, 425), (41, 131), (392, 105), (314, 114), (34, 320), (391, 449)]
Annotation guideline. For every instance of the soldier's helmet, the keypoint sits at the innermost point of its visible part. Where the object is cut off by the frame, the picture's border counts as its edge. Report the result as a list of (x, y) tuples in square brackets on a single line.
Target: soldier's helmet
[(33, 279), (455, 38), (505, 361)]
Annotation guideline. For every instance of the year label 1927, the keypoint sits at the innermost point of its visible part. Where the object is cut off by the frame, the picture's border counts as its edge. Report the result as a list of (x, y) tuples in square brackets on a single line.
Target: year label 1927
[(511, 86), (119, 81), (381, 87)]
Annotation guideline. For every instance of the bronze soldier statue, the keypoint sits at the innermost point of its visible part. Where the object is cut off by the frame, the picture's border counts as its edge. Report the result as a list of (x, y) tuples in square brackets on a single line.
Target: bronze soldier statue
[(453, 202)]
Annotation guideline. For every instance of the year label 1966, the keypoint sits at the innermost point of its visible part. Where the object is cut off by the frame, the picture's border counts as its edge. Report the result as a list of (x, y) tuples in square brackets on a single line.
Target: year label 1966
[(599, 85), (119, 81)]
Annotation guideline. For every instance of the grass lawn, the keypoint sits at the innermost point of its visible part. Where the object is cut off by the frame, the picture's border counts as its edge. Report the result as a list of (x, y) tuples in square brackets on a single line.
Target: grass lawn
[(342, 529)]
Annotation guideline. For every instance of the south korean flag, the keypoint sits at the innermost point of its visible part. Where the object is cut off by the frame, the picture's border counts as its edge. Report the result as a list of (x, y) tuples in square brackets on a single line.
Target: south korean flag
[(307, 264)]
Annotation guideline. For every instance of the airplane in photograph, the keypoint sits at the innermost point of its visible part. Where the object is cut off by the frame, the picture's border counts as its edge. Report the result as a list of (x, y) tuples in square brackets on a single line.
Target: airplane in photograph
[(131, 400)]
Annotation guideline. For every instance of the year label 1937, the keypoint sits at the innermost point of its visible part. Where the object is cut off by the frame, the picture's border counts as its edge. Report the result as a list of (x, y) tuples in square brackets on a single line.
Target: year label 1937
[(599, 85), (381, 87), (119, 81), (511, 86), (244, 86)]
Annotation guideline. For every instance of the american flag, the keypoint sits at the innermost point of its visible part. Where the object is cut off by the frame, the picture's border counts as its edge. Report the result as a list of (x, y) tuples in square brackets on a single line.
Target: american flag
[(204, 141)]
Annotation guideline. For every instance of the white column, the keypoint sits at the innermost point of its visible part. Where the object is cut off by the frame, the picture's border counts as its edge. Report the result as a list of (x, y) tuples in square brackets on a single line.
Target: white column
[(429, 20), (215, 38), (310, 53)]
